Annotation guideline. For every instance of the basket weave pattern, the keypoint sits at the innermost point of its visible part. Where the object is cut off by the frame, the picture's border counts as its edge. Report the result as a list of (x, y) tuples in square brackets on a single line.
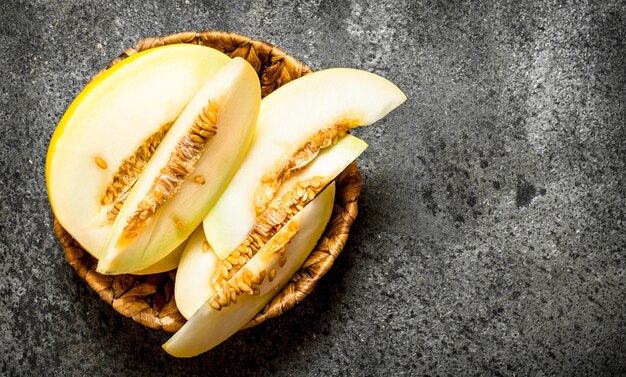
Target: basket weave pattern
[(149, 299)]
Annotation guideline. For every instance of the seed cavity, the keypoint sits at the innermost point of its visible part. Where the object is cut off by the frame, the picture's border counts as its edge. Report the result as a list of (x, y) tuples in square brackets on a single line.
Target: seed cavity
[(291, 200), (246, 283), (275, 205), (129, 170), (100, 162), (271, 181), (180, 165)]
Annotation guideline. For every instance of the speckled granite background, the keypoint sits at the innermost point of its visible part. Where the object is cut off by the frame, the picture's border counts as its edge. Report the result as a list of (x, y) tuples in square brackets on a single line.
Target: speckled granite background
[(491, 238)]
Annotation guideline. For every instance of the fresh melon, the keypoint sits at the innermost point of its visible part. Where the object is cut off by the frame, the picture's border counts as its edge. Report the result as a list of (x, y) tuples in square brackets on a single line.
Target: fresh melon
[(187, 173), (112, 129), (244, 295), (295, 122), (201, 272)]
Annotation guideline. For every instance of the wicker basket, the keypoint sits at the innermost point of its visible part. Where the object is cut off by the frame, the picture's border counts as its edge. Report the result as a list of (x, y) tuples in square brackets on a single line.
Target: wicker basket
[(149, 299)]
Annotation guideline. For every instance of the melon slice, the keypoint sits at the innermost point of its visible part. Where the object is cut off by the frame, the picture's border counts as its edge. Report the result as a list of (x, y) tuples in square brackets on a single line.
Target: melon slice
[(200, 273), (187, 173), (295, 123), (196, 271), (112, 128), (247, 292)]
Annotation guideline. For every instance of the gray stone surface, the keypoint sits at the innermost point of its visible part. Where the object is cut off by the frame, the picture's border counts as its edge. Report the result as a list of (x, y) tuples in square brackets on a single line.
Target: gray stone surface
[(491, 238)]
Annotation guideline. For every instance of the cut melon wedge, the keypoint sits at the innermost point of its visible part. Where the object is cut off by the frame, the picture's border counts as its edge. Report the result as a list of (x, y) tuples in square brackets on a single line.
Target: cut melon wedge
[(295, 122), (126, 107), (315, 176), (199, 270), (255, 284), (196, 270), (190, 169)]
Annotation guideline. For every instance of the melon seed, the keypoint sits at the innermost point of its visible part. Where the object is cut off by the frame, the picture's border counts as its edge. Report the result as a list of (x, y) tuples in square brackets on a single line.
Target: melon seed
[(227, 292), (101, 163), (179, 224)]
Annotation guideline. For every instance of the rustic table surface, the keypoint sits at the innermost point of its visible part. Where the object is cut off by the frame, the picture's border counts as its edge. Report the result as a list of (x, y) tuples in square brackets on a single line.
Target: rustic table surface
[(492, 233)]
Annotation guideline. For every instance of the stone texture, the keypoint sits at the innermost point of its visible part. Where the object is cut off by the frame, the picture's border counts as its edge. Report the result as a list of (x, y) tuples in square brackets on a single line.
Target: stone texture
[(491, 239)]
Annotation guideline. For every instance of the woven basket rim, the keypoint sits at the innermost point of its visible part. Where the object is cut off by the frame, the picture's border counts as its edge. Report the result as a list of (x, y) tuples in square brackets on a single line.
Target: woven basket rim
[(149, 299)]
